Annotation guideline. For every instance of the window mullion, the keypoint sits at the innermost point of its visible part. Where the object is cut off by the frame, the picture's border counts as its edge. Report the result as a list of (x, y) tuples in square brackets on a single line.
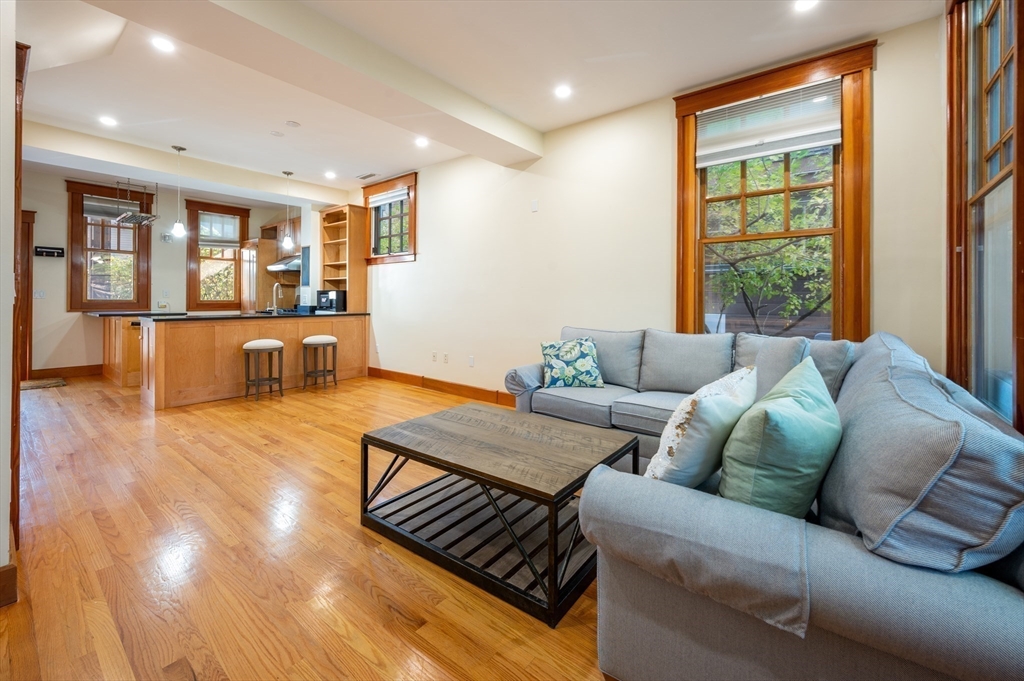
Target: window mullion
[(785, 193), (743, 197)]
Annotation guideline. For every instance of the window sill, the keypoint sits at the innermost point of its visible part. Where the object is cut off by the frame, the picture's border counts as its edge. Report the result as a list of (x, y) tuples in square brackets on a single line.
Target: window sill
[(385, 259)]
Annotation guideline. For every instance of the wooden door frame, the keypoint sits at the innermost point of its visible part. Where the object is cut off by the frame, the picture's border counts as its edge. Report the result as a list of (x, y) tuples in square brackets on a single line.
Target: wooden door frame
[(23, 253), (854, 65), (21, 75)]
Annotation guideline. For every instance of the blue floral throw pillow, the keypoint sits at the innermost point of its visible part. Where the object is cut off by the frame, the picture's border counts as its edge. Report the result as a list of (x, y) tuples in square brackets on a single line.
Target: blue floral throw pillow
[(571, 364)]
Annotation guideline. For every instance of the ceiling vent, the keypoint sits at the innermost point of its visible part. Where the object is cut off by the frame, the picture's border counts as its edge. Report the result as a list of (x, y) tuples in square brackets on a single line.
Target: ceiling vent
[(367, 176)]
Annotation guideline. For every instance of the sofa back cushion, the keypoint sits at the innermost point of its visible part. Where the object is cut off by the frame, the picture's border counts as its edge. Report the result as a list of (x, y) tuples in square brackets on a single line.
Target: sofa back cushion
[(924, 481), (618, 353), (684, 362), (832, 358), (776, 358)]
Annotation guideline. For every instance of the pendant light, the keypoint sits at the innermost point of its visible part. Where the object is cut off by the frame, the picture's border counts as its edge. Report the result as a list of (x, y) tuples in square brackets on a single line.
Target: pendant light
[(178, 230), (287, 243)]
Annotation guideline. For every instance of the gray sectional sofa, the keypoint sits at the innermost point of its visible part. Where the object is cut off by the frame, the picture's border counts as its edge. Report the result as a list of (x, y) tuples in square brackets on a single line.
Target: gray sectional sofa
[(895, 580), (648, 373)]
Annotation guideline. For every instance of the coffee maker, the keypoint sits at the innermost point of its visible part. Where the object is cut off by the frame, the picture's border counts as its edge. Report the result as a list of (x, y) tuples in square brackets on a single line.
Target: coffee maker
[(330, 301)]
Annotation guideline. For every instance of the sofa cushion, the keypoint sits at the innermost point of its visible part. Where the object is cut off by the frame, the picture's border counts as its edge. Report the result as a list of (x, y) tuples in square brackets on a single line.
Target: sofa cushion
[(645, 412), (924, 481), (582, 405), (618, 353), (690, 449), (781, 448), (776, 358), (571, 364), (684, 362), (832, 358)]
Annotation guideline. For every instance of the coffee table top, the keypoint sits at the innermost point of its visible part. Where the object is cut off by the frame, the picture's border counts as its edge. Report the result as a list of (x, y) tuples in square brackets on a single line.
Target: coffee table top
[(535, 455)]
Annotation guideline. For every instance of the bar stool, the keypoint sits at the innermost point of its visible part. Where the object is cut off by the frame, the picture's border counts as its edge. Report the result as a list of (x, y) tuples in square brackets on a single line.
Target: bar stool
[(264, 346), (319, 344)]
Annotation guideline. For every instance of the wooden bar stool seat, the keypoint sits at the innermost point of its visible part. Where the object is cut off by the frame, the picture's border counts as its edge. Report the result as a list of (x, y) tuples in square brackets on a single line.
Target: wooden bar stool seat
[(264, 346), (318, 345)]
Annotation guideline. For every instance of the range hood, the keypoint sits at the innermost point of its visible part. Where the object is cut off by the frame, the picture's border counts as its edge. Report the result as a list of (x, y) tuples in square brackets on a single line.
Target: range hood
[(291, 263)]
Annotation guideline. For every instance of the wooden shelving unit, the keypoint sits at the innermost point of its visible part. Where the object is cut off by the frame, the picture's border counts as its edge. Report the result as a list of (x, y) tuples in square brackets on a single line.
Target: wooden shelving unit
[(343, 253)]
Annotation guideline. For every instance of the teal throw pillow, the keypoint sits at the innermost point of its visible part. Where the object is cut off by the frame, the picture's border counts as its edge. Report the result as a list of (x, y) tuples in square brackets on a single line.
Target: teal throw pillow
[(779, 452), (571, 364)]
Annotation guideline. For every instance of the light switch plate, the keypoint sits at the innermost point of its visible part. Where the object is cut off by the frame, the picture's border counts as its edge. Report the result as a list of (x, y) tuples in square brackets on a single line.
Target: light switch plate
[(38, 294)]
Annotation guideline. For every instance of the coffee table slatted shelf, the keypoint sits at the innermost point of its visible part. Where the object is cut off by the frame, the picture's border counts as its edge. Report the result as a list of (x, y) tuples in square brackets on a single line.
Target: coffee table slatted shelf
[(454, 515), (503, 513)]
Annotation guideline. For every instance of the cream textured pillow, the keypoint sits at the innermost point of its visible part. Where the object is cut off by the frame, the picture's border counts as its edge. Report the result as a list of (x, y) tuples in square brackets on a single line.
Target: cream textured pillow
[(693, 440)]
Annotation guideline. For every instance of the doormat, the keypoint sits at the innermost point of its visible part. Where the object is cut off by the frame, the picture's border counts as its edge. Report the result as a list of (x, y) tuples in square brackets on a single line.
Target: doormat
[(37, 383)]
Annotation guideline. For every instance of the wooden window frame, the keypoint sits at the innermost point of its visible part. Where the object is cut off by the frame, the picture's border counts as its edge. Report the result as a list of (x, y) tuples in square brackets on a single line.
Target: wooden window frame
[(959, 345), (194, 208), (409, 181), (852, 267), (76, 297)]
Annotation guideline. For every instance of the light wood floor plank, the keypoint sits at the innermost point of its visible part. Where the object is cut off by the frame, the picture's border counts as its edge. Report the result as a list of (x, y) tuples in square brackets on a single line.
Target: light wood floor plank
[(223, 541)]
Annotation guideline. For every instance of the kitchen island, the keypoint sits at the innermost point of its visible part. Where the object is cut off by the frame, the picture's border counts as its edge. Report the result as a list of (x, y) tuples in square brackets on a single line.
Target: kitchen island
[(187, 359)]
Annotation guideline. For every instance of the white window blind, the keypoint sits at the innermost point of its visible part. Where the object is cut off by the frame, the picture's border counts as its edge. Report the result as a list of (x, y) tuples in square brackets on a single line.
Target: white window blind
[(107, 209), (218, 229), (809, 116), (387, 197)]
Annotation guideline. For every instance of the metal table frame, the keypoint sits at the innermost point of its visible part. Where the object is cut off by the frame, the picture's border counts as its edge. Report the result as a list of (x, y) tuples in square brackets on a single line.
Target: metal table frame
[(561, 591)]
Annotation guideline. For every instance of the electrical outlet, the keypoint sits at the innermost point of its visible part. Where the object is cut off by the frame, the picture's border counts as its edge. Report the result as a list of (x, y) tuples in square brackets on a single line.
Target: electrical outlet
[(534, 206), (39, 294), (378, 348), (433, 356), (166, 293), (162, 305), (472, 361), (446, 358)]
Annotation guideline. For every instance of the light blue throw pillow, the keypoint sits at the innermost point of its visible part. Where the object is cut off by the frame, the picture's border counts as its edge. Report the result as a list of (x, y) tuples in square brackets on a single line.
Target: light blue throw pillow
[(779, 452), (571, 364)]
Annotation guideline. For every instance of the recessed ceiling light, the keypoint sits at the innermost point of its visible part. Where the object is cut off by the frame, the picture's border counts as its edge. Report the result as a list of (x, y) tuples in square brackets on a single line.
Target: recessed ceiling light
[(330, 175), (422, 142), (108, 121), (804, 5), (276, 133), (162, 44), (563, 91), (292, 124), (819, 100)]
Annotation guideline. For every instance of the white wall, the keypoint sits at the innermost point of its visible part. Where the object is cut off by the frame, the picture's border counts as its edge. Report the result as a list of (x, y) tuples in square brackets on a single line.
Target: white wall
[(7, 108), (67, 339), (909, 207), (493, 279)]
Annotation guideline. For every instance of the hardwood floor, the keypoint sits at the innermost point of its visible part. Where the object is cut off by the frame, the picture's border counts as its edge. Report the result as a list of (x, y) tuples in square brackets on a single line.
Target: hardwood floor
[(222, 541)]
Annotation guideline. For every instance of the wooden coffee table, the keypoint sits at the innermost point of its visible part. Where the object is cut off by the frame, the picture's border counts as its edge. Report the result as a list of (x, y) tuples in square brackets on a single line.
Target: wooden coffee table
[(503, 515)]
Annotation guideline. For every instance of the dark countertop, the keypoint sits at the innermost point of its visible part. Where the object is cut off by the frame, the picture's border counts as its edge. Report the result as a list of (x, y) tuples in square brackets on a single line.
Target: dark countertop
[(141, 313), (227, 317)]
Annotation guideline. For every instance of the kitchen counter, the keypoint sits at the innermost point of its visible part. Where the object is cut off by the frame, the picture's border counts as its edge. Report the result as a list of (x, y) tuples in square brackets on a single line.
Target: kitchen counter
[(202, 360), (129, 313), (255, 315)]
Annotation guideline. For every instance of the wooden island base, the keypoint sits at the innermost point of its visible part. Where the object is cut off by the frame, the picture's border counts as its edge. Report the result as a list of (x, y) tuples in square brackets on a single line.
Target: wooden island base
[(198, 360)]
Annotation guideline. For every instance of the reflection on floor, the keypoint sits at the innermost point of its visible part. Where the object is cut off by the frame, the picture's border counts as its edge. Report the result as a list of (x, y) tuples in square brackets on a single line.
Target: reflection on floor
[(222, 541)]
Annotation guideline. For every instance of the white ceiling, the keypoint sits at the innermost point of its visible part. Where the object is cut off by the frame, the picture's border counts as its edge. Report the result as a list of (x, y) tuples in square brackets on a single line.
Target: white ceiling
[(509, 54), (614, 53)]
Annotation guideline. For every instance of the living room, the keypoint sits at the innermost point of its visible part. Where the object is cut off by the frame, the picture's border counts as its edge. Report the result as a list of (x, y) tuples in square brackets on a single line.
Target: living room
[(548, 172)]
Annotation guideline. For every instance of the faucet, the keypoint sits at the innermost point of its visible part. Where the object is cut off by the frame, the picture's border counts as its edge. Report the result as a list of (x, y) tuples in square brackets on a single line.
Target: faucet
[(277, 292)]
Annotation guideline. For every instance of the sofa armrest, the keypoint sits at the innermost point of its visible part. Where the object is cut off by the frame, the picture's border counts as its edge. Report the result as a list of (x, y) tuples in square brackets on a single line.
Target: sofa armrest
[(966, 625), (522, 382), (744, 557)]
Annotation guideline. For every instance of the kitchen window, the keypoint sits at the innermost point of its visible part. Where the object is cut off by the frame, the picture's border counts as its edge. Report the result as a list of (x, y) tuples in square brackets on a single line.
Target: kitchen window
[(215, 236), (391, 213), (108, 261)]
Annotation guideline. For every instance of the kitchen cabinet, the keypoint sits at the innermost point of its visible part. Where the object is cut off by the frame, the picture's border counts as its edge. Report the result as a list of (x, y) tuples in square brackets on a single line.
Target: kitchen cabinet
[(122, 356)]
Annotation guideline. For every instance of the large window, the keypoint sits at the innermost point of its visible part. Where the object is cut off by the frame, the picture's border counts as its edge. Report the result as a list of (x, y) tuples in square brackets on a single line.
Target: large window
[(215, 236), (108, 261), (774, 201), (983, 306), (767, 240), (392, 220)]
